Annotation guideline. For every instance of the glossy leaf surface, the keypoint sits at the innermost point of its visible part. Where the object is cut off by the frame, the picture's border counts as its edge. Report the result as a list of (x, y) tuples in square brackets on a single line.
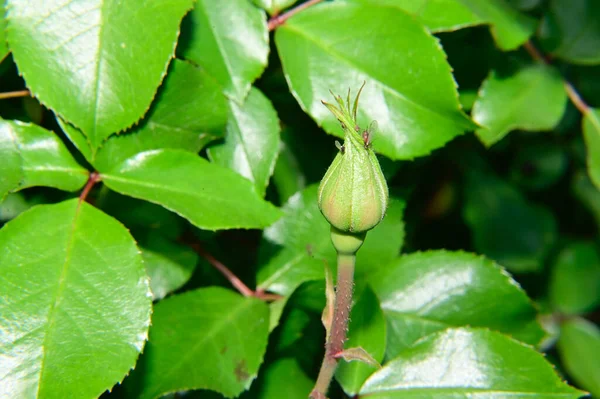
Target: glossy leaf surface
[(509, 27), (229, 39), (591, 132), (209, 196), (531, 99), (461, 363), (168, 264), (507, 227), (303, 246), (252, 140), (571, 31), (209, 338), (82, 59), (73, 289), (413, 118), (285, 379), (367, 329), (188, 112), (579, 348), (37, 157), (575, 280), (426, 292)]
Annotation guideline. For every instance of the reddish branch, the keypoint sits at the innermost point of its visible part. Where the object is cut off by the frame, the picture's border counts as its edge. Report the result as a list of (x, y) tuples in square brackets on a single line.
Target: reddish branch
[(278, 20), (569, 88), (14, 94), (230, 276), (92, 180)]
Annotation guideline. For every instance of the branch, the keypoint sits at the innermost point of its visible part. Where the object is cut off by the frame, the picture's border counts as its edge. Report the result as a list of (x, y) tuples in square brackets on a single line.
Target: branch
[(14, 94), (279, 20), (574, 96), (231, 277), (92, 180)]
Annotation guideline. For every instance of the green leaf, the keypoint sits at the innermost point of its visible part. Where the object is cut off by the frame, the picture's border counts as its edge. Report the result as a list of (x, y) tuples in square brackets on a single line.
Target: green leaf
[(509, 27), (83, 59), (575, 280), (209, 196), (579, 348), (11, 167), (252, 140), (571, 31), (292, 329), (210, 338), (367, 330), (169, 265), (38, 157), (460, 363), (505, 226), (303, 244), (4, 50), (284, 379), (422, 293), (188, 113), (591, 132), (274, 7), (77, 304), (533, 98), (13, 205), (229, 40), (413, 118)]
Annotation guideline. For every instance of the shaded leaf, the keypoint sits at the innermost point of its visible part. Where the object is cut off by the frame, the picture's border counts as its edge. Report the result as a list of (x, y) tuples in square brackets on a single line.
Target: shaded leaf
[(539, 165), (252, 140), (188, 113), (505, 226), (367, 330), (209, 196), (575, 281), (82, 59), (413, 118), (196, 343), (73, 289), (509, 27), (274, 6), (571, 31), (579, 348), (287, 175), (531, 99), (591, 132), (588, 194), (37, 158), (168, 264), (426, 292), (468, 362), (285, 379), (229, 39), (13, 205)]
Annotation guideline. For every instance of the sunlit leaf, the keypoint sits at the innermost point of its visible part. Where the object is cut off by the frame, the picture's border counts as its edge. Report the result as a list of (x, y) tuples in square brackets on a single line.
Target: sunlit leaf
[(591, 131), (75, 306)]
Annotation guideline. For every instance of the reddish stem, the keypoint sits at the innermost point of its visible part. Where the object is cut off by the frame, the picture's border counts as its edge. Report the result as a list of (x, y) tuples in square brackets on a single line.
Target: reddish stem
[(574, 96), (278, 20), (14, 94), (92, 180), (339, 328)]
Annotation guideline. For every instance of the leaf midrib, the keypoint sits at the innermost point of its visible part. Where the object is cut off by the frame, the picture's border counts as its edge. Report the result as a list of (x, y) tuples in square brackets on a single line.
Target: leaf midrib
[(59, 292), (213, 331), (334, 54)]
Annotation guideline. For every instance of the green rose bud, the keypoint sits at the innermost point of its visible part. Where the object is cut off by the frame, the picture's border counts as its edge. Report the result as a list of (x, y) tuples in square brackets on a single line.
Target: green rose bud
[(353, 195)]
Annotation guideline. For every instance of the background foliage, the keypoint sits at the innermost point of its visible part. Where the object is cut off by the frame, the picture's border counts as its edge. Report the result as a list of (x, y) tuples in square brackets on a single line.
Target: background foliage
[(156, 156)]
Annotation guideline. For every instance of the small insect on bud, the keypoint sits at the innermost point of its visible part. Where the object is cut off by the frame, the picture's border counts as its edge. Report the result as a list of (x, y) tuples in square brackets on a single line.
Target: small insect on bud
[(353, 195)]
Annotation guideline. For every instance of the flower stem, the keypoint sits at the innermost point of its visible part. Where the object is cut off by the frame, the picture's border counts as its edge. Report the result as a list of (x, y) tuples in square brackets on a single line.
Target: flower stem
[(339, 328)]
